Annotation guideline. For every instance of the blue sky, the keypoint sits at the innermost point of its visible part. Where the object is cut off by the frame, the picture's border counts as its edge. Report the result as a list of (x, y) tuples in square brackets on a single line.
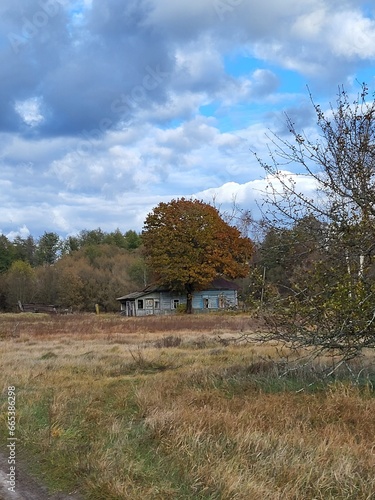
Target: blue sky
[(111, 106)]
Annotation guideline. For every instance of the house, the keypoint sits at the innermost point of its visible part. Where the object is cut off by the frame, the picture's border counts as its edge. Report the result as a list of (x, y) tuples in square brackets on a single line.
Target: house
[(220, 294)]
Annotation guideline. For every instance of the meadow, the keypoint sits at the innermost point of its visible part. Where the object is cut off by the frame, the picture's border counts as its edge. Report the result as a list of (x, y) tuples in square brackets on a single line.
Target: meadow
[(111, 408)]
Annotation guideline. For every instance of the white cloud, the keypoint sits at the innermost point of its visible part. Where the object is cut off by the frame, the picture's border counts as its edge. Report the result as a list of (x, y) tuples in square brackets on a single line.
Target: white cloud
[(259, 86), (250, 194), (199, 66), (30, 110), (93, 54), (352, 35), (310, 25), (22, 232)]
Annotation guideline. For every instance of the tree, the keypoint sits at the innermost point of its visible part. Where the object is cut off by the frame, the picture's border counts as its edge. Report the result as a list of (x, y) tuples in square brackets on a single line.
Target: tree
[(20, 282), (70, 244), (330, 304), (130, 240), (91, 237), (7, 253), (287, 252), (47, 279), (96, 275), (188, 244), (133, 240), (48, 248), (25, 249)]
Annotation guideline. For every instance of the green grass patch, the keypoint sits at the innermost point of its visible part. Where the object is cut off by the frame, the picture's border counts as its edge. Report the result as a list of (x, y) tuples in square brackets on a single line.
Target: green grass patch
[(90, 443)]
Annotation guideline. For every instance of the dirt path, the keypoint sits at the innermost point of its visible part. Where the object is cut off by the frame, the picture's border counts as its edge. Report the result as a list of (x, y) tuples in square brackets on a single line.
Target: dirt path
[(26, 488)]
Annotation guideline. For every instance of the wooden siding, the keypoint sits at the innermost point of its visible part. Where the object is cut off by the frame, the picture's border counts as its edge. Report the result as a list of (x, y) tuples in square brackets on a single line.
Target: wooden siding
[(214, 299), (164, 302)]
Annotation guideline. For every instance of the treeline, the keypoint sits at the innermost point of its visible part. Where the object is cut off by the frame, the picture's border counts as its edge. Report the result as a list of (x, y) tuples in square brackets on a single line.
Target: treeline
[(304, 268), (95, 267), (80, 271), (283, 258)]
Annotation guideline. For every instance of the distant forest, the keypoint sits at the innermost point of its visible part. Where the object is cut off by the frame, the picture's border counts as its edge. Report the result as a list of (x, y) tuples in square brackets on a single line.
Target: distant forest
[(96, 267), (80, 271)]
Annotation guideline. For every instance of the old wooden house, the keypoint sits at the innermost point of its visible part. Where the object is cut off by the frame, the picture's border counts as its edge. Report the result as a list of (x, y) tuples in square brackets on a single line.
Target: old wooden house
[(220, 294)]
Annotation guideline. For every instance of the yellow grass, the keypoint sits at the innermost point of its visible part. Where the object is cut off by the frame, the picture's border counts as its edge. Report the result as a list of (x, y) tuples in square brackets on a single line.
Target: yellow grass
[(103, 408)]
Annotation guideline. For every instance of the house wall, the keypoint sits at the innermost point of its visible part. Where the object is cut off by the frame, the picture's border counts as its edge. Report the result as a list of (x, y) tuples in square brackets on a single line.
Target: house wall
[(150, 304), (166, 302), (214, 299), (154, 303)]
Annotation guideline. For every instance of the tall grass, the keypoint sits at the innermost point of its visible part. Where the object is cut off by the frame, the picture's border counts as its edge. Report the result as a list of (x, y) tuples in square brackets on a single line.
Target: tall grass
[(120, 409)]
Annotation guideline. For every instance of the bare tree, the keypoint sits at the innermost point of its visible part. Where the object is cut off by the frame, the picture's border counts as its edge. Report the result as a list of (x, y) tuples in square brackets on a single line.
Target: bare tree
[(330, 306)]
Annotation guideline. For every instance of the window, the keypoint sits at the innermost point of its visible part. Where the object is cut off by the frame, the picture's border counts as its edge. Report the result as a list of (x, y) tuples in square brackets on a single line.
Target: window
[(149, 303), (156, 304), (210, 302), (140, 303), (175, 303)]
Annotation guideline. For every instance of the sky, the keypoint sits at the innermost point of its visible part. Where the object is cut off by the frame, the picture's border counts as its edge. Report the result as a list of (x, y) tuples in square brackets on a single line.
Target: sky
[(109, 107)]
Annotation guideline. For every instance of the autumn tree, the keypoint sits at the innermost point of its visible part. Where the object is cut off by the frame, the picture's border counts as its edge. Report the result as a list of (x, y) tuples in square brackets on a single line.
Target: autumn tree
[(330, 307), (188, 244), (97, 275), (47, 278), (21, 282)]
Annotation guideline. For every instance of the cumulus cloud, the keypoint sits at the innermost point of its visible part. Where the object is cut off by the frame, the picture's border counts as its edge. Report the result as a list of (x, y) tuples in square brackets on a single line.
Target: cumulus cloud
[(110, 106), (22, 232), (107, 59), (250, 195), (352, 35), (30, 111)]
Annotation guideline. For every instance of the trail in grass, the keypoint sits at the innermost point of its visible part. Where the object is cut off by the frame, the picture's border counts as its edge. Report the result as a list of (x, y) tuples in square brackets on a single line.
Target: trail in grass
[(26, 487)]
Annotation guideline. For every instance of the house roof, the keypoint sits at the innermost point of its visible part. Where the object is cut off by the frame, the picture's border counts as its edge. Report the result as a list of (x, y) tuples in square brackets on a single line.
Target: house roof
[(134, 295), (222, 284), (217, 284)]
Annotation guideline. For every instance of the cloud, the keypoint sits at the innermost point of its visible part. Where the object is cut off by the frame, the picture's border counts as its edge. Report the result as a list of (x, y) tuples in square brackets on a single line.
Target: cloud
[(199, 67), (30, 111), (251, 195), (99, 69), (352, 36), (325, 41), (106, 57), (109, 107), (79, 71), (22, 232)]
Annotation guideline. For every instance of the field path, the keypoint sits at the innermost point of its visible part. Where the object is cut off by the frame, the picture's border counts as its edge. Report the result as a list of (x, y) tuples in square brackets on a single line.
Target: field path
[(26, 487)]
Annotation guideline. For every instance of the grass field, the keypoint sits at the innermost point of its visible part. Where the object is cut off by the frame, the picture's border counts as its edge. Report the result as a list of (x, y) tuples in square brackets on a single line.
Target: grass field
[(169, 408)]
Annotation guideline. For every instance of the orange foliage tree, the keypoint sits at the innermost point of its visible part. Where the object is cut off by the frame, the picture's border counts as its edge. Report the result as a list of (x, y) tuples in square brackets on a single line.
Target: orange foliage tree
[(188, 244)]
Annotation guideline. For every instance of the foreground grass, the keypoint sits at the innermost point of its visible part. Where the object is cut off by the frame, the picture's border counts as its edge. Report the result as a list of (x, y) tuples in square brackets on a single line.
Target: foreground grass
[(160, 409)]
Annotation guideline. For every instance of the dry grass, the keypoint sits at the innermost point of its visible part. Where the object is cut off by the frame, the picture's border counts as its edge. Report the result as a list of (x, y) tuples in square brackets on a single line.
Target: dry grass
[(82, 325), (120, 409)]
